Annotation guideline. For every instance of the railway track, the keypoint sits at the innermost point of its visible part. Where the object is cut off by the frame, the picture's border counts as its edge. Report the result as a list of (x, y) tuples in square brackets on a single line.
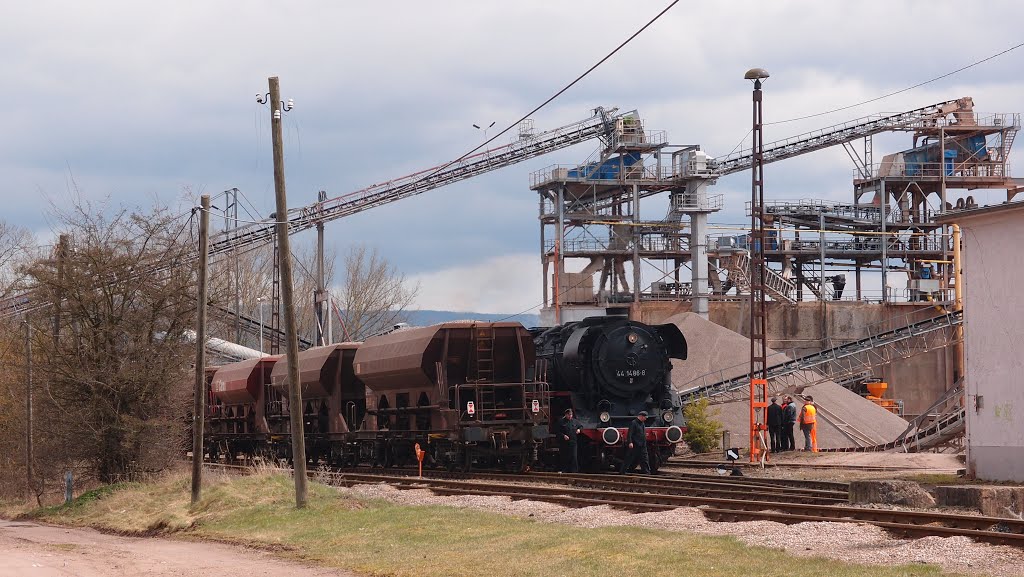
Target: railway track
[(719, 498)]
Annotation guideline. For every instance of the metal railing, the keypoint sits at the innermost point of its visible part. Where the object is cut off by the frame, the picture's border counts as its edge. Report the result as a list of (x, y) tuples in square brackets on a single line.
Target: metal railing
[(697, 202), (601, 173), (816, 207), (629, 139), (972, 168)]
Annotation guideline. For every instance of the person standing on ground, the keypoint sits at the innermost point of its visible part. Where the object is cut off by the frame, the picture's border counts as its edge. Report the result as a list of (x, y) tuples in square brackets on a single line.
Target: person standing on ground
[(775, 425), (809, 424), (570, 435), (788, 422), (636, 446)]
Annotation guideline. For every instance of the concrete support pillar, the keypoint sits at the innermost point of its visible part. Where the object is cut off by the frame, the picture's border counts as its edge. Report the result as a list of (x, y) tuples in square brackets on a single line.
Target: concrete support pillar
[(637, 238), (699, 263), (697, 192), (885, 243), (559, 249)]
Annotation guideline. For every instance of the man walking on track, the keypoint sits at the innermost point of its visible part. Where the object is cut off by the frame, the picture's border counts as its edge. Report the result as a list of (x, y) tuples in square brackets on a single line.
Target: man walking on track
[(636, 446), (809, 424), (775, 425)]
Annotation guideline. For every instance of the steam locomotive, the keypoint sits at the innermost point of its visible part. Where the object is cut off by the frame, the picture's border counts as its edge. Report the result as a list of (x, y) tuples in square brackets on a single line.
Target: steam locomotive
[(470, 394), (608, 369)]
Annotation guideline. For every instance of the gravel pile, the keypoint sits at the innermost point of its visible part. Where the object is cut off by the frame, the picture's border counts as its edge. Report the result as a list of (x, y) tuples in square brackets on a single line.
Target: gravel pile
[(850, 542), (712, 347)]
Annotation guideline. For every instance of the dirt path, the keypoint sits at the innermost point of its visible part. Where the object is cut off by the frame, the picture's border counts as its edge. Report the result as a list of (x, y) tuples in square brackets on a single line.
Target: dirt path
[(33, 550)]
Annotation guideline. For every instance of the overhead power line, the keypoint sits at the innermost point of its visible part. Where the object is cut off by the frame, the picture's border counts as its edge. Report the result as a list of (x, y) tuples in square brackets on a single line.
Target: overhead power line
[(902, 90)]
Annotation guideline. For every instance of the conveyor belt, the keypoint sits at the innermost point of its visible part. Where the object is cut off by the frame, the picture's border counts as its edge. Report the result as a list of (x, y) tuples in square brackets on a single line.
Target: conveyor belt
[(701, 387)]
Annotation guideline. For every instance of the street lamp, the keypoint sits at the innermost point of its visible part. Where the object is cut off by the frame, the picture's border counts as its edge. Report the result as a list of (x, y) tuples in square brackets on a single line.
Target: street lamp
[(758, 280), (485, 129)]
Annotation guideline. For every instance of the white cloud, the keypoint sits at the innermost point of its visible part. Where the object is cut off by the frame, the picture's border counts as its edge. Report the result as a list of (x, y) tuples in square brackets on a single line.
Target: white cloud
[(502, 284), (142, 98)]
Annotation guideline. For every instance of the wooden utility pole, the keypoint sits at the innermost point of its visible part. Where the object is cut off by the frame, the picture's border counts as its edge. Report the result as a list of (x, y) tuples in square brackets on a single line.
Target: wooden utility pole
[(30, 482), (320, 296), (199, 393), (287, 298)]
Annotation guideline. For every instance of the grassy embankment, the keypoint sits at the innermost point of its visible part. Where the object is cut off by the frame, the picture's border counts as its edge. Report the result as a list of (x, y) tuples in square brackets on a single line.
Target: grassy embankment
[(379, 538)]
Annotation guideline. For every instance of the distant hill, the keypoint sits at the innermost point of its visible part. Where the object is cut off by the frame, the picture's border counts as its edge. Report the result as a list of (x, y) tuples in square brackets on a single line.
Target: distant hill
[(427, 317)]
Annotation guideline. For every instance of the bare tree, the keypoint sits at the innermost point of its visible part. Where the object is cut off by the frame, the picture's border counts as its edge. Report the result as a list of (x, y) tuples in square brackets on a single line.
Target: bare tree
[(115, 379), (16, 248), (373, 296)]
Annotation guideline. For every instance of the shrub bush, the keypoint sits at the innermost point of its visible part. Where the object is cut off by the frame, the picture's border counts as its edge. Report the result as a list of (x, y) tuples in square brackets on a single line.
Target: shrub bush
[(703, 430)]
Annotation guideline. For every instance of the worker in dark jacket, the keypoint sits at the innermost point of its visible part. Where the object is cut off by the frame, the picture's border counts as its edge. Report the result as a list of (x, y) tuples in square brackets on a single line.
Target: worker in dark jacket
[(570, 434), (775, 425), (788, 422), (636, 446)]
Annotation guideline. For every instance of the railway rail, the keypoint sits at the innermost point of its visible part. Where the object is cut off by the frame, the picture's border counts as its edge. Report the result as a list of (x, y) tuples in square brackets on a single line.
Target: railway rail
[(675, 465), (719, 498)]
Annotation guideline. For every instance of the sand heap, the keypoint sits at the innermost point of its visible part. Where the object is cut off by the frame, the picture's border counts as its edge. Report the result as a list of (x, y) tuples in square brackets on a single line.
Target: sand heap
[(716, 349)]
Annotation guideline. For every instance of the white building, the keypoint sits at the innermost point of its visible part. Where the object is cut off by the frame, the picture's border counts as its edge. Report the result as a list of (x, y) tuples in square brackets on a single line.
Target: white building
[(992, 241)]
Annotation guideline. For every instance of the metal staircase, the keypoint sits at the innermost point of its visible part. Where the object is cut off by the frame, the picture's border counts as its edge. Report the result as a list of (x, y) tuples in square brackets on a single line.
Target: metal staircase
[(836, 362), (814, 285), (779, 287), (1008, 137)]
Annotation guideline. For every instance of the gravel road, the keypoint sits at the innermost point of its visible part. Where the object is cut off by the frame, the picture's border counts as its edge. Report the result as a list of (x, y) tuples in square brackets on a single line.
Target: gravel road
[(32, 550)]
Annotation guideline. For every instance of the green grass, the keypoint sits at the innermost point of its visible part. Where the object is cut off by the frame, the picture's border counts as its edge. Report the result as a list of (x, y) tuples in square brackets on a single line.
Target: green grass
[(383, 539)]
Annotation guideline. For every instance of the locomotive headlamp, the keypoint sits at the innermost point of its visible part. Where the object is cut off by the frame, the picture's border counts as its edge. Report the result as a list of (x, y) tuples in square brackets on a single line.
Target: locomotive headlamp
[(605, 416), (667, 416), (632, 338)]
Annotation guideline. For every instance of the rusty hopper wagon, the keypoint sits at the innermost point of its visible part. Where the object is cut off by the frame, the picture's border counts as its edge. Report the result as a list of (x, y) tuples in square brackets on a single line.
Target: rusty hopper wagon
[(464, 390)]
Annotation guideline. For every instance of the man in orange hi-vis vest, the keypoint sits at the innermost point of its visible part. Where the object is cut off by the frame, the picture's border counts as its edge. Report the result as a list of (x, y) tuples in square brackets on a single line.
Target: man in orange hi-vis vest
[(809, 424)]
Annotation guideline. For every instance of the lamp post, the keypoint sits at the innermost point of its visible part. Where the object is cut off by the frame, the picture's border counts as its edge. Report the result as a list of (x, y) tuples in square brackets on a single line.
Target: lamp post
[(758, 278)]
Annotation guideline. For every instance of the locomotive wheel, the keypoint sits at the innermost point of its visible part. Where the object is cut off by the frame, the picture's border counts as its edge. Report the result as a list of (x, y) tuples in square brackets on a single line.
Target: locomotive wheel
[(654, 458)]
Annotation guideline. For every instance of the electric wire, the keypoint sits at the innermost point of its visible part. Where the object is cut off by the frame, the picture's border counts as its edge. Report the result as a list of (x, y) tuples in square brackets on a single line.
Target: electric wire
[(902, 90), (561, 91)]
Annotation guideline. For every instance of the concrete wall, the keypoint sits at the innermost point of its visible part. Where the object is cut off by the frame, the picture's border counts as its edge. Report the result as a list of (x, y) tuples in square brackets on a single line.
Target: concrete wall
[(799, 329), (993, 270)]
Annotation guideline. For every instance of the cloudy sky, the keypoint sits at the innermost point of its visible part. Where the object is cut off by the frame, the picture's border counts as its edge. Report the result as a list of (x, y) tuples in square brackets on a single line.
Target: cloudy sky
[(131, 101)]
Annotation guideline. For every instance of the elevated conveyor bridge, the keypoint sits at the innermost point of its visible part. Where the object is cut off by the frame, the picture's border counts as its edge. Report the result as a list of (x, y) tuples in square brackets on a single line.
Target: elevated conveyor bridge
[(920, 119)]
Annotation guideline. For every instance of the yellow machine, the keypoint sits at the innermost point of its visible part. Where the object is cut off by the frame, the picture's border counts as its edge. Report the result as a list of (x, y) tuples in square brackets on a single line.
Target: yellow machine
[(875, 392)]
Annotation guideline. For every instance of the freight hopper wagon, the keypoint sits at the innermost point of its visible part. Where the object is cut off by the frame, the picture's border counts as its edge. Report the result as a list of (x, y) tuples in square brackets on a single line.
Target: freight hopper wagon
[(248, 411), (464, 391)]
